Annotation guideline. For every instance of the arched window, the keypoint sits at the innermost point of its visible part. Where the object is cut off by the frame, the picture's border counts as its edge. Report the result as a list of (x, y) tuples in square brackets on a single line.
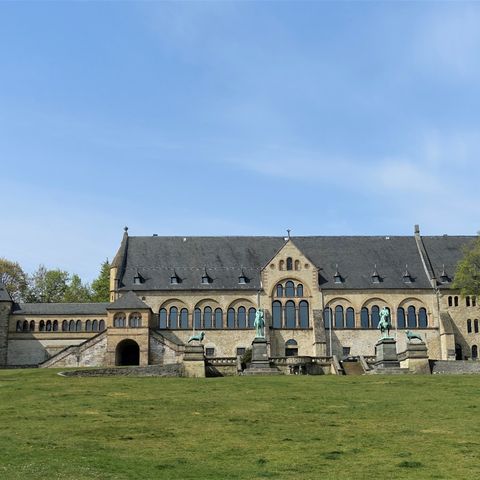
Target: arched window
[(48, 326), (303, 314), (422, 318), (290, 314), (411, 317), (218, 318), (242, 317), (55, 326), (64, 326), (469, 326), (400, 317), (289, 289), (279, 290), (297, 264), (299, 290), (474, 301), (78, 326), (71, 326), (474, 352), (375, 316), (327, 317), (467, 301), (231, 318), (450, 303), (291, 348), (101, 325), (25, 326), (19, 326), (276, 314), (95, 325), (289, 263), (41, 327), (173, 317), (338, 316), (119, 320), (364, 318), (162, 318), (183, 318), (350, 318), (88, 326), (197, 319), (251, 317), (455, 301), (281, 265), (475, 324), (32, 326), (207, 317)]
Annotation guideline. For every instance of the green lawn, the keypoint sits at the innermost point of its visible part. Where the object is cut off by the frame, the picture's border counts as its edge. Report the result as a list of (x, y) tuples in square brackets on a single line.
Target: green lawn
[(292, 427)]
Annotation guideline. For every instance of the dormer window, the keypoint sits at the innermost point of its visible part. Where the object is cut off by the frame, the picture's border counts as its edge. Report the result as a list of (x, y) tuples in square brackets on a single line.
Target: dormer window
[(242, 279), (444, 278), (138, 279), (407, 278), (337, 277), (175, 279), (375, 275), (206, 279)]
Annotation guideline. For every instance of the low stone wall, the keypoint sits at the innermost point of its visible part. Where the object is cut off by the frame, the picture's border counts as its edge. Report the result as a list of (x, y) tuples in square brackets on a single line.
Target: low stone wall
[(174, 370), (454, 367)]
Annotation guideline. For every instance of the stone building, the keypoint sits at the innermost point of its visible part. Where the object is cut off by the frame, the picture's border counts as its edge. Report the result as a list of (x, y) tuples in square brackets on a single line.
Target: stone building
[(321, 297)]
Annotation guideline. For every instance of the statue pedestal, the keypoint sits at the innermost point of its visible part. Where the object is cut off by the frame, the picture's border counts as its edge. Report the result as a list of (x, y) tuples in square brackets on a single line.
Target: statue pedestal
[(260, 364), (194, 361), (386, 357), (415, 358)]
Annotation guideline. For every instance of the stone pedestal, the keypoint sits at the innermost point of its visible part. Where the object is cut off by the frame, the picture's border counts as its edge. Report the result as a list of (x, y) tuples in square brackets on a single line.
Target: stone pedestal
[(386, 357), (415, 358), (260, 362), (194, 361)]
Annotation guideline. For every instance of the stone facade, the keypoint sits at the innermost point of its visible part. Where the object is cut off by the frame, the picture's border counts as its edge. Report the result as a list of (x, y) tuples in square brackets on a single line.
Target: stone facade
[(313, 309)]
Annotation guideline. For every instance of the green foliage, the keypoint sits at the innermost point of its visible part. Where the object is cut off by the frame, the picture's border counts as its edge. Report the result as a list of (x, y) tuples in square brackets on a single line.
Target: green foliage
[(14, 279), (467, 275), (48, 286), (285, 427), (77, 291), (101, 285)]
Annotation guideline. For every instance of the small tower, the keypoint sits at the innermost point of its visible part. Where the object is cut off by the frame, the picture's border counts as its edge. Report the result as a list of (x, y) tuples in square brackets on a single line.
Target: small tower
[(6, 303)]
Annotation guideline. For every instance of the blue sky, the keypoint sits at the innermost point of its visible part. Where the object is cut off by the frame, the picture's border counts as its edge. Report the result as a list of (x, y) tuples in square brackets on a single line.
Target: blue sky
[(233, 118)]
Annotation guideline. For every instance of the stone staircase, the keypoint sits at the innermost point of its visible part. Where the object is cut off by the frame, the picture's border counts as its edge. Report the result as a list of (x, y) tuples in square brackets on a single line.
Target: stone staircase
[(352, 367), (61, 358)]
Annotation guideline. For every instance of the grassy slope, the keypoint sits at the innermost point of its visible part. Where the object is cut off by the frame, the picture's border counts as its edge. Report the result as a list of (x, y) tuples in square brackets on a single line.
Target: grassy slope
[(53, 427)]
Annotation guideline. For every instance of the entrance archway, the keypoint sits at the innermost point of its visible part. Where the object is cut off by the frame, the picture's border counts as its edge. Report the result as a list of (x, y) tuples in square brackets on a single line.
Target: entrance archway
[(127, 353), (458, 352)]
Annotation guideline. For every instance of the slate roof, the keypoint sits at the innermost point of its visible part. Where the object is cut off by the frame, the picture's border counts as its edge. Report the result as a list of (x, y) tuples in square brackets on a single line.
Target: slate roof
[(4, 295), (60, 308), (446, 250), (156, 259), (127, 301)]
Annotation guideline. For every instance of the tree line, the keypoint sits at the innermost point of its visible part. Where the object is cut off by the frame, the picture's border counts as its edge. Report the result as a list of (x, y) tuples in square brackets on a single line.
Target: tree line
[(53, 286)]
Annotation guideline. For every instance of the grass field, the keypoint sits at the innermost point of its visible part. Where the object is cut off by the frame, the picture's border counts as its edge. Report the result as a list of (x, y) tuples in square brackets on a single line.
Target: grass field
[(292, 427)]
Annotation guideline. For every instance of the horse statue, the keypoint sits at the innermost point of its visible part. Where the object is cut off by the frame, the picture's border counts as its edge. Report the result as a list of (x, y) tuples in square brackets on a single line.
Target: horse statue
[(384, 325), (198, 337), (259, 324), (411, 335)]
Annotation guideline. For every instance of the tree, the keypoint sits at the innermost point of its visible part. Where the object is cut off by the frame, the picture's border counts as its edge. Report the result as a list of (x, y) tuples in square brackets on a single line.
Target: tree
[(101, 285), (77, 291), (14, 279), (467, 275), (48, 286)]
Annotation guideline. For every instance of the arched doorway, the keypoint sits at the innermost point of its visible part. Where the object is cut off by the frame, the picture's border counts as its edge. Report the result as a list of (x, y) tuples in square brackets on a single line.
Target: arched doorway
[(127, 353)]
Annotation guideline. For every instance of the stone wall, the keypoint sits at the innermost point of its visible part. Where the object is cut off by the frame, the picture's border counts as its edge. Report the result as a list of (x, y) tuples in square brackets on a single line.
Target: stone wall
[(5, 308)]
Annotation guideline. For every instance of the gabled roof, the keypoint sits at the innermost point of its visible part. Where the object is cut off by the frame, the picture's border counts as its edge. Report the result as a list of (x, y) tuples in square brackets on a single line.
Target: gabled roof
[(224, 258), (128, 301), (4, 295), (60, 308)]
